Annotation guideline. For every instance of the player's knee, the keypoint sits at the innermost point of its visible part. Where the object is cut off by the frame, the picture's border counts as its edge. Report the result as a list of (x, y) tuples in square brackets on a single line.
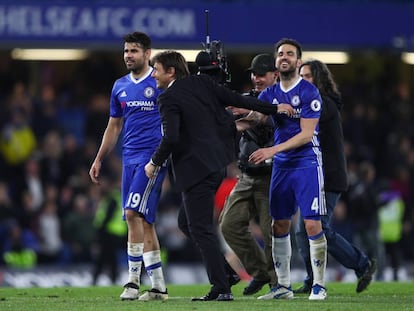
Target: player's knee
[(313, 227), (132, 216), (281, 227)]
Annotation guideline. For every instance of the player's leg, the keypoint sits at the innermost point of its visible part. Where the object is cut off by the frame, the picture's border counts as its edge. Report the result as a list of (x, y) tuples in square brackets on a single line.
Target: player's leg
[(135, 248), (153, 265), (318, 255), (311, 200), (282, 253), (150, 190), (282, 207), (135, 243)]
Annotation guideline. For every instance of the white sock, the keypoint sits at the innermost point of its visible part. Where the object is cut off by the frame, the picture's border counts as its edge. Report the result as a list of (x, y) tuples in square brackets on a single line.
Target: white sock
[(282, 252), (318, 254), (134, 251), (153, 266)]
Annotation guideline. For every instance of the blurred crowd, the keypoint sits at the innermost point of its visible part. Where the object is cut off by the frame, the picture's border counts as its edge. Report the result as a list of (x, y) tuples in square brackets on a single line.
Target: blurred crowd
[(49, 137)]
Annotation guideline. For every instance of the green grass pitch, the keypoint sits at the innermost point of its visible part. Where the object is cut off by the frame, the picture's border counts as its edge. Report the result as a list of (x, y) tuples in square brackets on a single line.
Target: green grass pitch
[(341, 296)]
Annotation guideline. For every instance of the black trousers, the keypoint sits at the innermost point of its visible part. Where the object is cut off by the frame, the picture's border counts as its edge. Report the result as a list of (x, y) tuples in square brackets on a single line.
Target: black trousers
[(196, 221)]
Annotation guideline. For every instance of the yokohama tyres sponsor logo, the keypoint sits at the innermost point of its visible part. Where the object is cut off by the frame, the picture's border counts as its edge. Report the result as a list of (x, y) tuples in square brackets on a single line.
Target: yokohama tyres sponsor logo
[(144, 104)]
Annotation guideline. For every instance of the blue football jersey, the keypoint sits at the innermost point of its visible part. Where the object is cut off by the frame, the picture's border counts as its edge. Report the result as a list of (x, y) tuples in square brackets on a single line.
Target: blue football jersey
[(306, 101), (136, 101)]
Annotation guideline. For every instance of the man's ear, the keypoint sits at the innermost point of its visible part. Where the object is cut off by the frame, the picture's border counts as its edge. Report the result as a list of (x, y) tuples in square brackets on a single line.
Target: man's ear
[(148, 55), (171, 71)]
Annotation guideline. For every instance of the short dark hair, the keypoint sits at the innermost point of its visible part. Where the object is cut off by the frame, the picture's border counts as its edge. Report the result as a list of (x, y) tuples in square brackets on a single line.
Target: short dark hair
[(291, 42), (138, 37), (174, 59)]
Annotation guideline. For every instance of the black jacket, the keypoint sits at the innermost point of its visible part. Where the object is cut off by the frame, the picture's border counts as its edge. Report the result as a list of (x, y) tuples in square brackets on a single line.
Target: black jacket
[(198, 132), (331, 139), (258, 136)]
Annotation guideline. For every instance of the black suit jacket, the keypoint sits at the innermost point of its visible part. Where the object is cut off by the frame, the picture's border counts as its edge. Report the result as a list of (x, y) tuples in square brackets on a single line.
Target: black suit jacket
[(198, 132)]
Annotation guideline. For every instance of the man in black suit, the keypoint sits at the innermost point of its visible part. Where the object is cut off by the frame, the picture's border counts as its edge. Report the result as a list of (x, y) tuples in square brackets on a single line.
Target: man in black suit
[(199, 139)]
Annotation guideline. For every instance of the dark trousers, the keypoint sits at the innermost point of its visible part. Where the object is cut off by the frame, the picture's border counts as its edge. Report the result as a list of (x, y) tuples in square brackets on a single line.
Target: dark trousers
[(109, 245), (339, 248), (196, 221)]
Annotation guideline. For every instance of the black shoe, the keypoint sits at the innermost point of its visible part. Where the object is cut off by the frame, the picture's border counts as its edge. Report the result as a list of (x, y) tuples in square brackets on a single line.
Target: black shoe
[(254, 286), (225, 297), (365, 279), (304, 289), (212, 296)]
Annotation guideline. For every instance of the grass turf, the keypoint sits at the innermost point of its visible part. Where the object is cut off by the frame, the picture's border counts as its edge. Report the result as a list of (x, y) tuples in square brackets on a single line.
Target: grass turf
[(341, 296)]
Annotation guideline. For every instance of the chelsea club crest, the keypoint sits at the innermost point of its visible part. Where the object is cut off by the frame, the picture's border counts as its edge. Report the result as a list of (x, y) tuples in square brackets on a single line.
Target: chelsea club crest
[(149, 92)]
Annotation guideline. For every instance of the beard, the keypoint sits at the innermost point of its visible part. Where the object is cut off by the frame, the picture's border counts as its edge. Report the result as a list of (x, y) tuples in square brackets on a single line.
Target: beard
[(135, 67), (288, 74)]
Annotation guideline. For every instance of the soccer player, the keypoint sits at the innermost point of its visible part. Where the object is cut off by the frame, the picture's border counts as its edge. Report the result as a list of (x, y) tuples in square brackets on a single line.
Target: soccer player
[(134, 113), (334, 166), (297, 177)]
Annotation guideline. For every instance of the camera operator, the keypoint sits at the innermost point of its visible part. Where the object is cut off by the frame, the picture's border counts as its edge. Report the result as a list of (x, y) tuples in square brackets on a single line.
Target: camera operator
[(249, 200), (213, 62)]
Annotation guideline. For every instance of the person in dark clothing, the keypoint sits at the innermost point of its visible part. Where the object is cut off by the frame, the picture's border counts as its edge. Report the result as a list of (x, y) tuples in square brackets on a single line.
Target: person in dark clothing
[(364, 202), (199, 139), (111, 231), (335, 177), (249, 199)]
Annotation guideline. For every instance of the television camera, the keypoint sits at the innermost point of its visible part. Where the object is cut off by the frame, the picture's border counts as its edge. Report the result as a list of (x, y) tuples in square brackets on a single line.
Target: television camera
[(212, 60)]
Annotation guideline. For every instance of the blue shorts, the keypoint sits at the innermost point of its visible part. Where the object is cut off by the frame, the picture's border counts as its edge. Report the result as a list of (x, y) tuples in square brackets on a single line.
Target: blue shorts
[(139, 193), (302, 188)]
